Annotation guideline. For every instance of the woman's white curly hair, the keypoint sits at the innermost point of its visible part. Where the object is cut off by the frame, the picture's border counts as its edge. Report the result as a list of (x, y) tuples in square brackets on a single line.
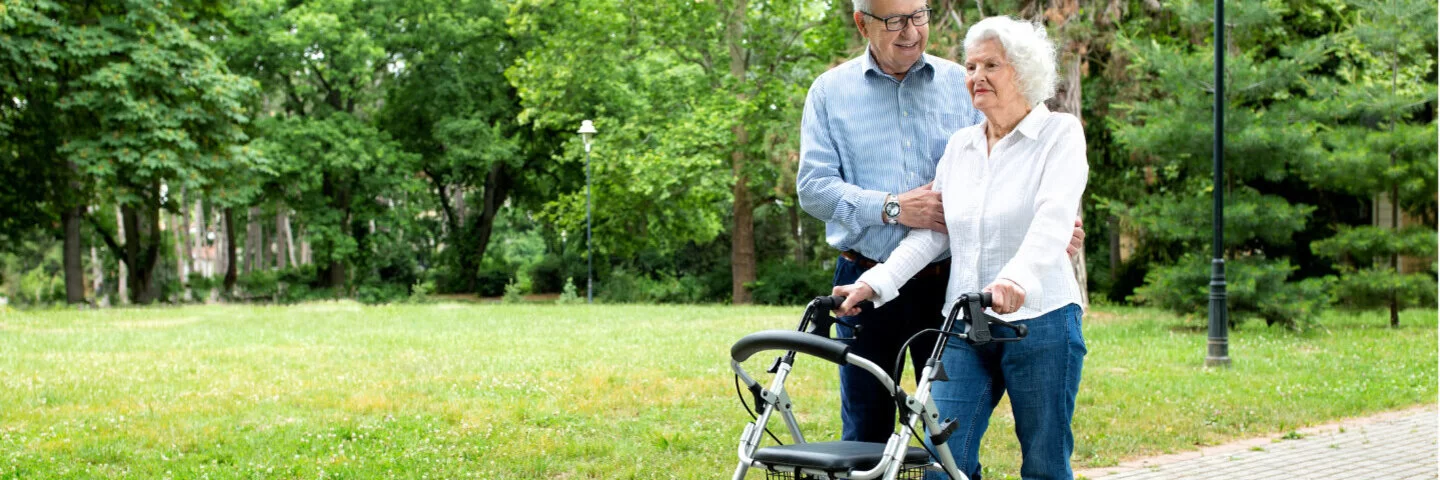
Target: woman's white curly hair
[(1027, 47)]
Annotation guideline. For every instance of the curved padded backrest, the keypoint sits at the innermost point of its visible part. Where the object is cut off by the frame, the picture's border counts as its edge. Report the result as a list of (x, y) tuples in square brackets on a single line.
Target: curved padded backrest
[(789, 340)]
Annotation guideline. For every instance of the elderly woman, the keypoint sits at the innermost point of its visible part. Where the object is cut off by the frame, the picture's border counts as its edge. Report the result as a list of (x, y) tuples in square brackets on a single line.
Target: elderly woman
[(1010, 187)]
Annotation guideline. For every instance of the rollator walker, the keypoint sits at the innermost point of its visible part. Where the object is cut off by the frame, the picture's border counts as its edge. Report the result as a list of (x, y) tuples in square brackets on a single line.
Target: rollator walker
[(801, 459)]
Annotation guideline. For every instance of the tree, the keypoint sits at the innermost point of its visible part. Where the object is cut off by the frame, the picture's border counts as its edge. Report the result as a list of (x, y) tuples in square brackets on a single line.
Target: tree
[(686, 123), (450, 104), (1381, 135), (322, 65), (139, 102), (1278, 48)]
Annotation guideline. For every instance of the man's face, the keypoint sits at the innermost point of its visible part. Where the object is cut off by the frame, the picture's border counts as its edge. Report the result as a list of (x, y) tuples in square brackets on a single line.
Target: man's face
[(894, 51)]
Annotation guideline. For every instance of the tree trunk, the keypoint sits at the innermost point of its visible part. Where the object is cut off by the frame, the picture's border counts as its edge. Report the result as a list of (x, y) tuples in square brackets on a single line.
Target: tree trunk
[(334, 274), (122, 290), (290, 241), (229, 223), (141, 250), (307, 255), (497, 188), (217, 249), (181, 266), (97, 277), (282, 243), (253, 242), (1394, 257), (186, 240), (742, 231), (74, 270)]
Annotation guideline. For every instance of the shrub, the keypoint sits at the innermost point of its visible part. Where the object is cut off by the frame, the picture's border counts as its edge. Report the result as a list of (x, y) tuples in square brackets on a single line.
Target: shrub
[(550, 273), (258, 285), (490, 281), (381, 293), (200, 286), (421, 291), (625, 287), (1254, 287), (787, 283), (568, 294), (1371, 288), (513, 293)]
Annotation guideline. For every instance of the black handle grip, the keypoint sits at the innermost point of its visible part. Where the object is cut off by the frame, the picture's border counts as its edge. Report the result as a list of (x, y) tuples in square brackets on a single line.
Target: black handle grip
[(829, 302), (834, 301)]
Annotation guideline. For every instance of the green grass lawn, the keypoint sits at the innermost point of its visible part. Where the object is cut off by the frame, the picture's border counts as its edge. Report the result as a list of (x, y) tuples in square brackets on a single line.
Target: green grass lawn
[(542, 391)]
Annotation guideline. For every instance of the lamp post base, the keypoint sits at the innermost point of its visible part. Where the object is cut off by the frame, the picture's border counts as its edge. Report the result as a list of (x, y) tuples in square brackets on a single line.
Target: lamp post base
[(1217, 351), (1217, 356)]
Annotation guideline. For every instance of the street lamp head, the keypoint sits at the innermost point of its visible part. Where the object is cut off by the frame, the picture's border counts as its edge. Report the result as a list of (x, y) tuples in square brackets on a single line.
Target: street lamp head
[(587, 129)]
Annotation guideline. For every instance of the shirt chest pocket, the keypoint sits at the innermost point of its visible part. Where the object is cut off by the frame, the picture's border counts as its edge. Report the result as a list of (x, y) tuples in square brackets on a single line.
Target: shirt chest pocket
[(940, 126)]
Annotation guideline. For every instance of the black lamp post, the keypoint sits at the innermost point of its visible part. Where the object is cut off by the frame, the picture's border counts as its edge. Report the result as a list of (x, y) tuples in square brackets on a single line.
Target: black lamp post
[(1218, 344), (587, 130)]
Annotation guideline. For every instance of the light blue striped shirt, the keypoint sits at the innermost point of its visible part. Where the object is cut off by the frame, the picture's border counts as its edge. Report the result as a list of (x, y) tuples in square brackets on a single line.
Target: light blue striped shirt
[(865, 135)]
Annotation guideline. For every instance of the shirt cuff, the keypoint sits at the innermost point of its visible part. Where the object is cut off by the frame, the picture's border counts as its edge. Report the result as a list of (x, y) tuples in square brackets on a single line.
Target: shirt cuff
[(870, 208), (1022, 277), (884, 289)]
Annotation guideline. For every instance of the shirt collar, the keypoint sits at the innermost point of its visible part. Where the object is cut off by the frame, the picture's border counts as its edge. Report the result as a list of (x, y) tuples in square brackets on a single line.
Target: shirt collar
[(921, 64), (1029, 126), (1033, 121)]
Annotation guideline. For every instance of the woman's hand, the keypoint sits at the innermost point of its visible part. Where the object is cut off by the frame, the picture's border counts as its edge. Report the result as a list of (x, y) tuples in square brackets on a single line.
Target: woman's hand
[(1005, 296), (854, 294)]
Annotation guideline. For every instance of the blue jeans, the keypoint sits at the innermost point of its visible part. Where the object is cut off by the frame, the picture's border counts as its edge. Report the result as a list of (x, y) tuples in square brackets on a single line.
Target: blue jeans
[(867, 411), (1042, 376)]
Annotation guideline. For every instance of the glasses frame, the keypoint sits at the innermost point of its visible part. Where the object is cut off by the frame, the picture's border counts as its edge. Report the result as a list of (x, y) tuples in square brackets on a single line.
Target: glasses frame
[(902, 18)]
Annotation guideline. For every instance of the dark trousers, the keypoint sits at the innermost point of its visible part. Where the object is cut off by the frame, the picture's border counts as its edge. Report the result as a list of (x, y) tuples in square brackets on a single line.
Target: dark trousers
[(867, 411)]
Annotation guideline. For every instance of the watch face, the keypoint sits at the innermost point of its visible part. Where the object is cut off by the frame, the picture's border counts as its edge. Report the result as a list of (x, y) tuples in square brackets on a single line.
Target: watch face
[(892, 209)]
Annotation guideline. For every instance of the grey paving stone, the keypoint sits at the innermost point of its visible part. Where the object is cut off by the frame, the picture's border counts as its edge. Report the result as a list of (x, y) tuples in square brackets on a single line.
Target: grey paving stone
[(1401, 447)]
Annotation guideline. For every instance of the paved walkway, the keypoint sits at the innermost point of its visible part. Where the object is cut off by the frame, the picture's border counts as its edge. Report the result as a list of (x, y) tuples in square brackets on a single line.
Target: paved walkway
[(1397, 445)]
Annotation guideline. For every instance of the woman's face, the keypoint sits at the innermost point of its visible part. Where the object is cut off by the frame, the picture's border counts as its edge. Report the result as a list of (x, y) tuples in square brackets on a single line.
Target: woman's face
[(990, 78)]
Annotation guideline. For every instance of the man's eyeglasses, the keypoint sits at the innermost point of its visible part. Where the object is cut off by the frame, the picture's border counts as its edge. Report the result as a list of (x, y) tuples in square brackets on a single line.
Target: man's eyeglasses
[(895, 23)]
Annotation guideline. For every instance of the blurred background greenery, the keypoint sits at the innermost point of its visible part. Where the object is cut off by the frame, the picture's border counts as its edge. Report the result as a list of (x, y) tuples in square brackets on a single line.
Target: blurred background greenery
[(281, 150)]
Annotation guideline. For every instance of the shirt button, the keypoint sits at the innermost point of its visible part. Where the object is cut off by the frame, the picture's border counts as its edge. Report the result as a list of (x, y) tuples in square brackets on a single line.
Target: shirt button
[(905, 113), (907, 144)]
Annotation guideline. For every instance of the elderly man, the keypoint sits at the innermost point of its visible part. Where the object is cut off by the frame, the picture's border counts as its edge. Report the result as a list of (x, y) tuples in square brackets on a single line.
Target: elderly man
[(873, 130)]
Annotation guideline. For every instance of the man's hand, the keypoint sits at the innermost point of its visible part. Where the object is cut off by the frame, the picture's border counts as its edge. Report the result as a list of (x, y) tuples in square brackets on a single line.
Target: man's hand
[(854, 294), (1005, 296), (921, 208), (1077, 239)]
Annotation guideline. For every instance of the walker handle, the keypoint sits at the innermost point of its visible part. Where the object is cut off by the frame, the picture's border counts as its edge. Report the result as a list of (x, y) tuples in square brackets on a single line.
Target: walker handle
[(789, 340), (833, 302)]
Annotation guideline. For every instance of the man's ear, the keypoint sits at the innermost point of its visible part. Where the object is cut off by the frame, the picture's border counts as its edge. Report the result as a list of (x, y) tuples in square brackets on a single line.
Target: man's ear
[(860, 23)]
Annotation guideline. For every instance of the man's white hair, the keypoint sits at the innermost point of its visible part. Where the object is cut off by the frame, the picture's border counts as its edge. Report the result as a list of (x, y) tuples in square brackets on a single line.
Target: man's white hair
[(1027, 47), (861, 5)]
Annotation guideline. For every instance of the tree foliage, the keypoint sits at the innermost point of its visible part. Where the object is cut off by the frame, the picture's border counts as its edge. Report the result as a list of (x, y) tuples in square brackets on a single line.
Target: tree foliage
[(431, 146), (129, 101)]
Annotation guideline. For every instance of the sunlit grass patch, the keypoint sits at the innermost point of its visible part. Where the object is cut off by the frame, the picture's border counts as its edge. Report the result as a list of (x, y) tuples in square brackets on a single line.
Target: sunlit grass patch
[(543, 391)]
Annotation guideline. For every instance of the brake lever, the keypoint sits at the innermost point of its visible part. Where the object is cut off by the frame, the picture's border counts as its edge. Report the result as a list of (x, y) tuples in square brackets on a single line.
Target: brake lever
[(827, 304), (1020, 330)]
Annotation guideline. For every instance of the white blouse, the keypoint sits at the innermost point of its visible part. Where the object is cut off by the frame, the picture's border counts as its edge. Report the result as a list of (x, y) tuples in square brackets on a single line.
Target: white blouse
[(1010, 214)]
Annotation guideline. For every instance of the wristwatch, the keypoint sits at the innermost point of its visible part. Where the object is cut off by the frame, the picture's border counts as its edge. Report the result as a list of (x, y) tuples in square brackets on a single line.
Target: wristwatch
[(892, 209)]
